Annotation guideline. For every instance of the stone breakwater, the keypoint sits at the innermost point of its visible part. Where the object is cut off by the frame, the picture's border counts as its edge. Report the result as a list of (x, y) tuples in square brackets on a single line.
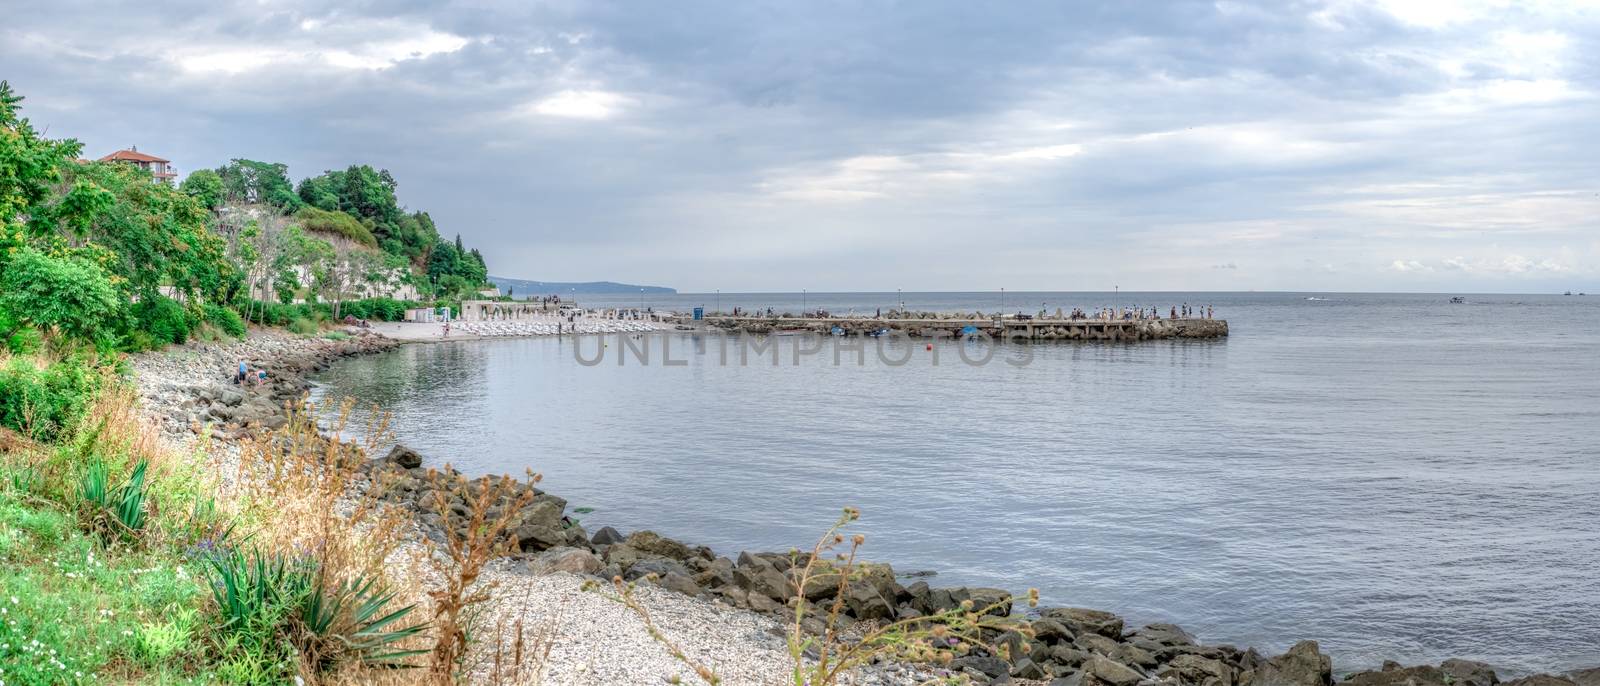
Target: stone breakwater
[(932, 325), (1059, 646)]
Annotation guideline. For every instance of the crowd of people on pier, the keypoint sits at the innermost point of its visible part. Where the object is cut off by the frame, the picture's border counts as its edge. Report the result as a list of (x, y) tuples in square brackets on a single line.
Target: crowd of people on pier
[(1184, 311)]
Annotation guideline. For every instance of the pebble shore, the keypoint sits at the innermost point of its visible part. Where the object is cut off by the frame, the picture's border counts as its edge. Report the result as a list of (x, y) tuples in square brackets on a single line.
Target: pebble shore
[(723, 612)]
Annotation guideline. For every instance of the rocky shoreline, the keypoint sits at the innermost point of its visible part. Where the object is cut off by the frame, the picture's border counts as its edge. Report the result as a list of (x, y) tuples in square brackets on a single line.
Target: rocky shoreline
[(190, 390)]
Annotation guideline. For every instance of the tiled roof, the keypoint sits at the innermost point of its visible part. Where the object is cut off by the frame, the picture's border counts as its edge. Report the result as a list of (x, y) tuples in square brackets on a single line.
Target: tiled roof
[(131, 156)]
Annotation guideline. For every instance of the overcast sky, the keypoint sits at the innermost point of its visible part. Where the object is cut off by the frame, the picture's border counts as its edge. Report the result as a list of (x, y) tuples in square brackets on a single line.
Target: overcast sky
[(1409, 145)]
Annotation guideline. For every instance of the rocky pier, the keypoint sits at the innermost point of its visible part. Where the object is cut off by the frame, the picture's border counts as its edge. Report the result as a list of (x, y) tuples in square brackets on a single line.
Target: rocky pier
[(931, 325)]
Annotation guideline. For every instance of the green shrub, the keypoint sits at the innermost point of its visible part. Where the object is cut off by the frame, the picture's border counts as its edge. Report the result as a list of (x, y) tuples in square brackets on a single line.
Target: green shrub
[(267, 601), (43, 403), (164, 319), (114, 513), (303, 326), (139, 340), (337, 224), (227, 319)]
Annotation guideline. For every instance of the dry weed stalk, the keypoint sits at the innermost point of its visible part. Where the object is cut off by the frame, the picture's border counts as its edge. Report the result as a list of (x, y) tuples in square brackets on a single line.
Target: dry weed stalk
[(937, 637), (313, 493), (476, 519), (520, 659), (626, 597), (314, 499)]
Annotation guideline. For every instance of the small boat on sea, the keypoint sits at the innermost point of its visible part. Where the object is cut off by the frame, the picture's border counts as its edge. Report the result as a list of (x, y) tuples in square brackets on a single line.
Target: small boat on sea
[(791, 332), (1458, 300)]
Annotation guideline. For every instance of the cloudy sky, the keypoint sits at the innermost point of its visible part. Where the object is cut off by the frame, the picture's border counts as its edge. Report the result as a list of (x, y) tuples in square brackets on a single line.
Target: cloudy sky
[(1412, 145)]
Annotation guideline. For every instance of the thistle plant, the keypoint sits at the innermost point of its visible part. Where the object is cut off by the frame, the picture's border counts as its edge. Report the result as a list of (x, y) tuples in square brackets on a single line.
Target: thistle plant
[(935, 638)]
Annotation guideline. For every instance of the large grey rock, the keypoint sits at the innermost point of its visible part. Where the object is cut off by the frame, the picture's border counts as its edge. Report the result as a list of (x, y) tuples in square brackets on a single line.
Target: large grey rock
[(656, 544), (680, 583), (1108, 671), (1026, 668), (1052, 631), (404, 457), (1303, 665), (660, 567), (1395, 675), (1082, 620), (607, 536), (1193, 669), (1585, 677), (758, 576), (1474, 673), (992, 667), (1167, 634), (866, 602), (1095, 643), (1542, 680), (571, 560), (541, 527)]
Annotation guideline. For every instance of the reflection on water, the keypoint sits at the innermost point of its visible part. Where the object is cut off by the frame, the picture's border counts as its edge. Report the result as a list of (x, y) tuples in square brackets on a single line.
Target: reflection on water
[(1391, 475)]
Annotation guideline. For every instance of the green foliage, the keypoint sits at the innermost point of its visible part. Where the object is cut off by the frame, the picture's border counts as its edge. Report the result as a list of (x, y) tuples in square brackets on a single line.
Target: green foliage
[(66, 294), (249, 181), (146, 234), (114, 513), (29, 166), (377, 309), (164, 319), (268, 600), (205, 186), (455, 272), (303, 326), (43, 403), (349, 622), (335, 223), (74, 614), (226, 319)]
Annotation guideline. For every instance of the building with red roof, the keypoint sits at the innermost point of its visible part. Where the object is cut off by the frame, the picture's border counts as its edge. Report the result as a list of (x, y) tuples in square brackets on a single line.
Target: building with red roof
[(160, 168)]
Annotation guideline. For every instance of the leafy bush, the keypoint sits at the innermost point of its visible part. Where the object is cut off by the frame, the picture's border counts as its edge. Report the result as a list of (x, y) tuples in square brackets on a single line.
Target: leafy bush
[(42, 403), (335, 223), (303, 326), (227, 319), (139, 340), (69, 294), (164, 319)]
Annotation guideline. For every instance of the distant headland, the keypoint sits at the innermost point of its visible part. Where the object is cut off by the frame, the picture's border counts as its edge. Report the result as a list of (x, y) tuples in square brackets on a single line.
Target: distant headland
[(558, 287)]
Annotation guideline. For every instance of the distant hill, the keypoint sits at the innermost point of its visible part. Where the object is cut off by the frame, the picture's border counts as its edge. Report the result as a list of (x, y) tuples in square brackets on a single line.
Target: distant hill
[(522, 287)]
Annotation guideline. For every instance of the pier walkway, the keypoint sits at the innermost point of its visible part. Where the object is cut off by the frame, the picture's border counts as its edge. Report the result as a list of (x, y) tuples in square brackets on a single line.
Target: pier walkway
[(1008, 328)]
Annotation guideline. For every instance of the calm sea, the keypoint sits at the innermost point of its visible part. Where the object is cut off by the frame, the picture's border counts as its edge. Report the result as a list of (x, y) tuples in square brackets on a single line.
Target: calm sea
[(1395, 476)]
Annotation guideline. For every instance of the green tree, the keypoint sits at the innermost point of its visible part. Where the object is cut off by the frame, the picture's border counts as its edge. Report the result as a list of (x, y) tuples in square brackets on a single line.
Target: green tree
[(146, 234), (68, 295), (205, 186), (249, 181), (29, 168)]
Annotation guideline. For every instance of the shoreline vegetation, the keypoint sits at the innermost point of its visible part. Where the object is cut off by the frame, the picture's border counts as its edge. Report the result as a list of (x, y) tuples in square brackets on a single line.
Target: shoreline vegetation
[(168, 516)]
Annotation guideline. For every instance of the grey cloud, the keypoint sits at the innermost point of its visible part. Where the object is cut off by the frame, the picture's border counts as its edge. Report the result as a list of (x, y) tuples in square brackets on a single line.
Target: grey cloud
[(760, 145)]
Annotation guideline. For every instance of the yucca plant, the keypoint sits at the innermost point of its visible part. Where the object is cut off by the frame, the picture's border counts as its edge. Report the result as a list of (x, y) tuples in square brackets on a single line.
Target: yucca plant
[(345, 621), (114, 513), (252, 589)]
